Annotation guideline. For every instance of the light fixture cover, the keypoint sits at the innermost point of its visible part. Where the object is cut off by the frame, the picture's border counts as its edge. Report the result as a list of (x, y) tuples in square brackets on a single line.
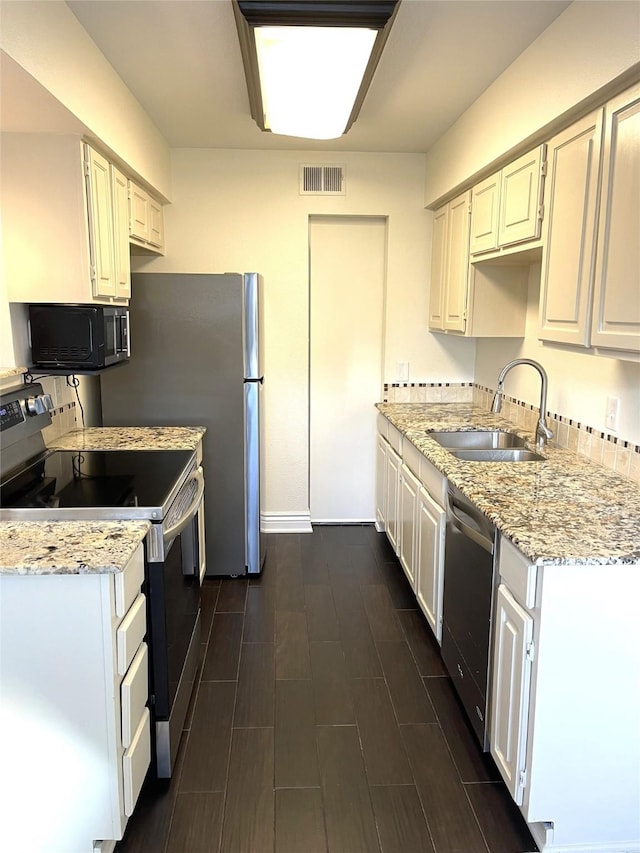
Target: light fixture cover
[(308, 64)]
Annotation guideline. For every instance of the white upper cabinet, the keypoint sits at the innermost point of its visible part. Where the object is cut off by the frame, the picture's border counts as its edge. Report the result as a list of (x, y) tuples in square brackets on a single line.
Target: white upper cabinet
[(122, 260), (146, 221), (569, 250), (101, 230), (450, 266), (616, 313), (506, 208)]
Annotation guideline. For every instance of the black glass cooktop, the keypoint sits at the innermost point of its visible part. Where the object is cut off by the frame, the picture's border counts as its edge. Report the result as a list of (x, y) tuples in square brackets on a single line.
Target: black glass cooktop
[(84, 479)]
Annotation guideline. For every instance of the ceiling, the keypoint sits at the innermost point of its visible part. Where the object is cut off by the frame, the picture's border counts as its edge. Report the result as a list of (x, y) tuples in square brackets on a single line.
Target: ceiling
[(181, 60)]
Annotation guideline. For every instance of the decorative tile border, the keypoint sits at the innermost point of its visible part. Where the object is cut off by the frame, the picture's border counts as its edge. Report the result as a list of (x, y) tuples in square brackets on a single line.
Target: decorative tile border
[(63, 419), (608, 450)]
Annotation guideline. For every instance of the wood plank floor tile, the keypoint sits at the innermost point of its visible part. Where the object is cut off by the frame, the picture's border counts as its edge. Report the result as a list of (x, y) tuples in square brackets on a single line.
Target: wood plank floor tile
[(223, 650), (331, 691), (249, 812), (322, 621), (450, 818), (260, 614), (206, 754), (296, 754), (400, 591), (300, 821), (232, 595), (292, 645), (424, 646), (501, 821), (349, 815), (256, 685), (383, 619), (289, 586), (313, 559), (196, 823), (400, 819), (209, 596), (473, 764), (382, 744), (408, 693), (360, 651)]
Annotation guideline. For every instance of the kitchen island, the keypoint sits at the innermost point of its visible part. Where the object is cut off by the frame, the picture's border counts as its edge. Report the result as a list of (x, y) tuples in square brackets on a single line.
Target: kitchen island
[(564, 719)]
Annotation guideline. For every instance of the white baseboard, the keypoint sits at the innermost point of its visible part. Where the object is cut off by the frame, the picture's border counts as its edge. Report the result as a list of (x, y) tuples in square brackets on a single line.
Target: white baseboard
[(285, 522)]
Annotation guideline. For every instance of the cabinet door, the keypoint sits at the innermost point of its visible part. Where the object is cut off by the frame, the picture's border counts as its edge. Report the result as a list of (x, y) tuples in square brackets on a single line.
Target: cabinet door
[(616, 316), (381, 481), (138, 212), (430, 560), (512, 656), (122, 264), (521, 199), (569, 251), (485, 209), (407, 512), (391, 503), (156, 224), (438, 269), (457, 263), (99, 207)]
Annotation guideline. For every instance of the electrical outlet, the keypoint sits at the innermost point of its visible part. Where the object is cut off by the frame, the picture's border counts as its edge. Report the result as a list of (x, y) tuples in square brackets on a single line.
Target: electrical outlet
[(612, 413), (402, 371)]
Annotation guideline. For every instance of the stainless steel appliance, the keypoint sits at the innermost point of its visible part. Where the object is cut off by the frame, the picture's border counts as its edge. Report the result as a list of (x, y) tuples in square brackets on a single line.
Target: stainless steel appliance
[(164, 486), (469, 584), (198, 361), (84, 337)]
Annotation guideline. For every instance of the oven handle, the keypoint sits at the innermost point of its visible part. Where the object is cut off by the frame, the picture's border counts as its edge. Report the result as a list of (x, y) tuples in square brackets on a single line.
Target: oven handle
[(464, 528), (192, 509)]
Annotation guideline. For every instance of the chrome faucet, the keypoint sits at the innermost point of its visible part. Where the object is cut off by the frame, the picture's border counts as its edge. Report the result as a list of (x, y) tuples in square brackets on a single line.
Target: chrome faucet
[(543, 433)]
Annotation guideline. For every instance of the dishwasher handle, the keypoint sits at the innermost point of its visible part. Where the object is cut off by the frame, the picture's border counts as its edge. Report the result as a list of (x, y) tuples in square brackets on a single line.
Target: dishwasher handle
[(477, 535), (171, 532)]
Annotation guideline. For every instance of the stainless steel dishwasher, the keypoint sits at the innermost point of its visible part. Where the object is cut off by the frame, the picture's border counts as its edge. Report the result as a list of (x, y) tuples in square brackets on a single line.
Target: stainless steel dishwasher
[(469, 583)]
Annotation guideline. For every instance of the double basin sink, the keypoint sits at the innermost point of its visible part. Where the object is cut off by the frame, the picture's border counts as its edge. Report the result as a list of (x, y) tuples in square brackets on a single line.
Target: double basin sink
[(485, 445)]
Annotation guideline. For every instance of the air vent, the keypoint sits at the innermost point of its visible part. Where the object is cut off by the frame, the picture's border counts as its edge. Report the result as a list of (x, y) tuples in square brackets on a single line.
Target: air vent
[(322, 180)]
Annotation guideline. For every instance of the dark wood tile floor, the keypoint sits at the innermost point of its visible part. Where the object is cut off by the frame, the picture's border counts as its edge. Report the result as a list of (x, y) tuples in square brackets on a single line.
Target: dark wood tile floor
[(324, 721)]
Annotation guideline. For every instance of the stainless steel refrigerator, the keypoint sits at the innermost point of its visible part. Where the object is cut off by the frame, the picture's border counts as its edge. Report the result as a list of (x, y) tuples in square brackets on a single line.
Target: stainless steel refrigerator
[(197, 360)]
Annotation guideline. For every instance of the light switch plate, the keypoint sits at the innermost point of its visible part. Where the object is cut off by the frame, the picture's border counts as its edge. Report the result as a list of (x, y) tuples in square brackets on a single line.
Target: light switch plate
[(402, 371), (612, 414)]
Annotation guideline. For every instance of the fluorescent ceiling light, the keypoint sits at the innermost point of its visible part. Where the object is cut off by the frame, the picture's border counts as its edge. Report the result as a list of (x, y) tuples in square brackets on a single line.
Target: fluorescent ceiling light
[(308, 64)]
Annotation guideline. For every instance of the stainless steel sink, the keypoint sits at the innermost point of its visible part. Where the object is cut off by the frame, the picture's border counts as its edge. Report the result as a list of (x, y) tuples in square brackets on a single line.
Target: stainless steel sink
[(477, 439), (501, 454)]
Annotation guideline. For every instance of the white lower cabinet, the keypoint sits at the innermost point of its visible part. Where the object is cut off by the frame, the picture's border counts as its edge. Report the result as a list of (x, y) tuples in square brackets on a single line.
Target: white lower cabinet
[(381, 482), (430, 559), (407, 515), (394, 462), (75, 734)]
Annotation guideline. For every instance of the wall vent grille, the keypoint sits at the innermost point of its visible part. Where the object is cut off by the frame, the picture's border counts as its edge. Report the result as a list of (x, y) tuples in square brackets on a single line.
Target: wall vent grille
[(322, 180)]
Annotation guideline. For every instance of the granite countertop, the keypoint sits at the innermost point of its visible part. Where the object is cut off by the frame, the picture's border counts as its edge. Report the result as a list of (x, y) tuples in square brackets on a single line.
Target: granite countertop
[(68, 547), (6, 372), (564, 510), (130, 438)]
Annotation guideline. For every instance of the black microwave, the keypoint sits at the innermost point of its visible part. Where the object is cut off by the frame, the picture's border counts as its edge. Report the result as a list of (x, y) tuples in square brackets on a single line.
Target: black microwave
[(84, 337)]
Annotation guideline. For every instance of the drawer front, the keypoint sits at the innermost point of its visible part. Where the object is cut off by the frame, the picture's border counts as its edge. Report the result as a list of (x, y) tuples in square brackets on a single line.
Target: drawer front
[(135, 763), (129, 581), (395, 439), (517, 573), (134, 694), (411, 457), (383, 425), (433, 481), (130, 633)]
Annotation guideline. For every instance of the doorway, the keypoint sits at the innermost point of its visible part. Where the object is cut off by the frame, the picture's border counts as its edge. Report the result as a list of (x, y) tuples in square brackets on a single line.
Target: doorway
[(347, 268)]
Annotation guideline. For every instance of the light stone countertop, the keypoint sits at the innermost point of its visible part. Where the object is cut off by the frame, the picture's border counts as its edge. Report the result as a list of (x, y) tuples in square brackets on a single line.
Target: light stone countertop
[(68, 547), (130, 438), (6, 372), (566, 510)]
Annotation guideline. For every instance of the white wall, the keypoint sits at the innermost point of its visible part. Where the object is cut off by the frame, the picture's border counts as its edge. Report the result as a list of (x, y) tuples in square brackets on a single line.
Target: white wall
[(586, 48), (241, 211), (46, 40)]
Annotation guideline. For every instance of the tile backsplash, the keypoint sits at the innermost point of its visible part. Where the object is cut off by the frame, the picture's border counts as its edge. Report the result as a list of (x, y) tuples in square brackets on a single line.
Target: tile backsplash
[(608, 450)]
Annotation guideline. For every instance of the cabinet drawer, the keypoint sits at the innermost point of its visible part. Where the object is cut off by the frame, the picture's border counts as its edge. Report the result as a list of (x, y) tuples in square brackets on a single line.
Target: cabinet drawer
[(517, 573), (383, 425), (411, 457), (135, 763), (134, 694), (130, 633), (433, 481), (128, 582), (395, 439)]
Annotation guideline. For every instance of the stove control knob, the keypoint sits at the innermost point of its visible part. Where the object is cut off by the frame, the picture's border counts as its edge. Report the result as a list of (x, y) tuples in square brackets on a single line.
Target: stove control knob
[(35, 406), (48, 402)]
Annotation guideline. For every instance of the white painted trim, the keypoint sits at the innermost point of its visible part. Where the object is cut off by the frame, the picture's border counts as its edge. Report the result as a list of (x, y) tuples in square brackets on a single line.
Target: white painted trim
[(344, 521), (104, 846), (286, 522)]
